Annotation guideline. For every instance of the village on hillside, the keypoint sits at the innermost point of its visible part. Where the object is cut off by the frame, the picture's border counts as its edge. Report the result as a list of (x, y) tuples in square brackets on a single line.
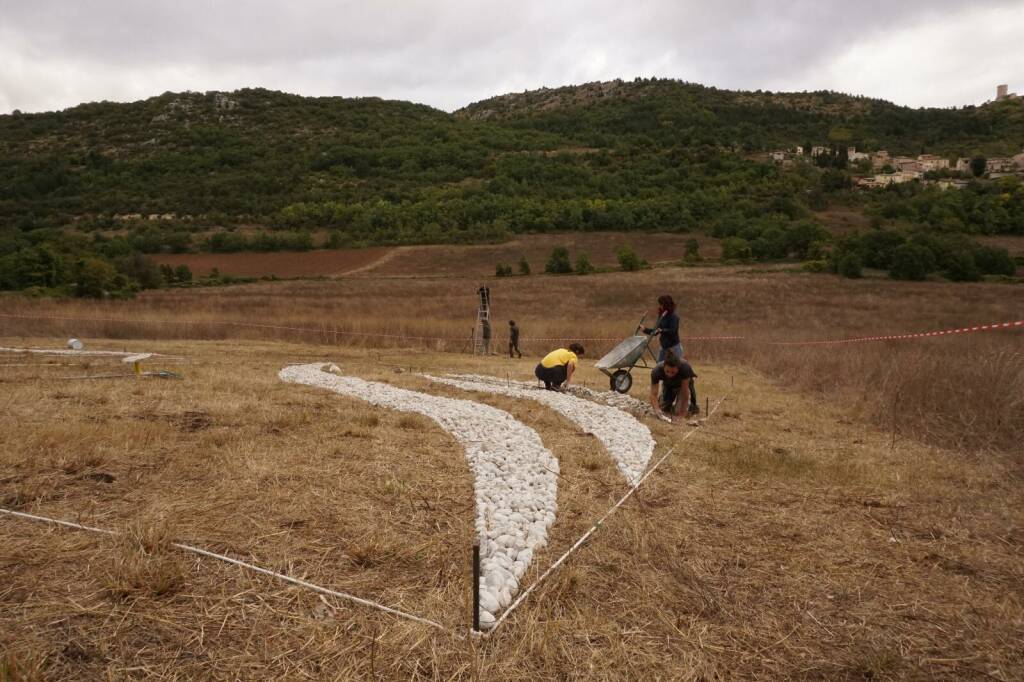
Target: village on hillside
[(880, 169)]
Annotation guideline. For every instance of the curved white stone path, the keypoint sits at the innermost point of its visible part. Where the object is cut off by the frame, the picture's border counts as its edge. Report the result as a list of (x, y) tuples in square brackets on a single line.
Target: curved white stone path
[(515, 475), (627, 440)]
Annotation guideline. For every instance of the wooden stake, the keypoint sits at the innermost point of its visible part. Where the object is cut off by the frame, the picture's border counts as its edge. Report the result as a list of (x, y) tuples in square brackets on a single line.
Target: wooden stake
[(476, 588)]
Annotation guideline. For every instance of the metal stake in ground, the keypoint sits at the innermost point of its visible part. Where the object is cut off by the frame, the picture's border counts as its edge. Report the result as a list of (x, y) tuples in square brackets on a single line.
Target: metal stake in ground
[(476, 588)]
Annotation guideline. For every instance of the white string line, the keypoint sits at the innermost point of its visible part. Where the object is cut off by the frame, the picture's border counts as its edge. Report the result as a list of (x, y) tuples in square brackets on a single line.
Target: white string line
[(593, 529), (251, 567), (83, 353)]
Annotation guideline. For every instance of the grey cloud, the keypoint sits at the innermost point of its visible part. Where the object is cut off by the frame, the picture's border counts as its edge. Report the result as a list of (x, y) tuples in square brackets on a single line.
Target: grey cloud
[(444, 53)]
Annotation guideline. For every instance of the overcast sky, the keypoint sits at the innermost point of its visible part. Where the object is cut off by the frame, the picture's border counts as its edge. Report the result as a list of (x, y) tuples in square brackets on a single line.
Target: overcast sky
[(447, 53)]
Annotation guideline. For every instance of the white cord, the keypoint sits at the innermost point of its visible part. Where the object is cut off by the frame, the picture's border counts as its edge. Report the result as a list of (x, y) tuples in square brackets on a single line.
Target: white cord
[(593, 529), (251, 567)]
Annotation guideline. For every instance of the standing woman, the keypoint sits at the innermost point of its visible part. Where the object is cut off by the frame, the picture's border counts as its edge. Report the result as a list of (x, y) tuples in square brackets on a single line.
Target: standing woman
[(668, 335), (558, 366)]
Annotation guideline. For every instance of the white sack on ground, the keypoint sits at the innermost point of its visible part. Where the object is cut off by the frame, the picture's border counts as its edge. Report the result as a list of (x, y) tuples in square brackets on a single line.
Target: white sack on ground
[(515, 475), (628, 441)]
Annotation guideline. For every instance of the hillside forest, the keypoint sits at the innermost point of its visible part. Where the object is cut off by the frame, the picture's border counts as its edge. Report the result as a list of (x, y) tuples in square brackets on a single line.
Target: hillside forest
[(87, 194)]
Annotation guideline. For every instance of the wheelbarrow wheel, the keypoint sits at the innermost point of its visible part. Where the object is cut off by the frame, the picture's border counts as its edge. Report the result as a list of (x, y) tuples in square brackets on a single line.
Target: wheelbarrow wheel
[(621, 381)]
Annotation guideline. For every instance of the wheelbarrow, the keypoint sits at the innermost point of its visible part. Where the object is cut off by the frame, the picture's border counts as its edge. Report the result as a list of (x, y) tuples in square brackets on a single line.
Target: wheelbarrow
[(620, 361)]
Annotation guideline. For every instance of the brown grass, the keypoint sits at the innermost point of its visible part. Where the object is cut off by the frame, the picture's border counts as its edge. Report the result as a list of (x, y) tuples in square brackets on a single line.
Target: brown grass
[(479, 261), (786, 539), (964, 392)]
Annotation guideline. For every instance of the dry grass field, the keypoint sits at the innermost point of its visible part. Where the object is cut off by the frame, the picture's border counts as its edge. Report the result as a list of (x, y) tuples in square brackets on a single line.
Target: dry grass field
[(444, 261), (479, 261), (783, 539), (851, 511), (964, 392)]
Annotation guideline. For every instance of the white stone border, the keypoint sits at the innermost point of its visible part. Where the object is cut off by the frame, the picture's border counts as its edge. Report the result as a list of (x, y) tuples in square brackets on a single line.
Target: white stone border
[(515, 475), (628, 441)]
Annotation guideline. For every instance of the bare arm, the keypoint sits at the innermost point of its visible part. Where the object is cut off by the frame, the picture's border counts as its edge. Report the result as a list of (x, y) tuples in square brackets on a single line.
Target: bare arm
[(654, 398), (569, 370)]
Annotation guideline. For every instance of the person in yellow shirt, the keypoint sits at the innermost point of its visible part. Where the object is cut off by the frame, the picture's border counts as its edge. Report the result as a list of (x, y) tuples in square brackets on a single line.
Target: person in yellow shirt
[(558, 366)]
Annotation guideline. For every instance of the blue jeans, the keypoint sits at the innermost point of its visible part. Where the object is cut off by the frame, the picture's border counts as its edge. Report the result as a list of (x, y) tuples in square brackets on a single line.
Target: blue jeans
[(677, 350)]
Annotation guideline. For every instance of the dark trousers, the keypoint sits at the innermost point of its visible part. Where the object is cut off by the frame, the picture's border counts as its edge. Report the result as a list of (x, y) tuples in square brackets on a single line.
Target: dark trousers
[(513, 347), (551, 376), (668, 397)]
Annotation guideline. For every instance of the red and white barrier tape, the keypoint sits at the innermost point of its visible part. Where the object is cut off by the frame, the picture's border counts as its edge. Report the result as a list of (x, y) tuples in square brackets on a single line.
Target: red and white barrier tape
[(382, 335), (902, 337)]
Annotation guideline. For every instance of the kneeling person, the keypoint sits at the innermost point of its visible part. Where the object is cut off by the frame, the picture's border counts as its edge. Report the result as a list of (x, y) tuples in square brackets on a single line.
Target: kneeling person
[(674, 377), (558, 366)]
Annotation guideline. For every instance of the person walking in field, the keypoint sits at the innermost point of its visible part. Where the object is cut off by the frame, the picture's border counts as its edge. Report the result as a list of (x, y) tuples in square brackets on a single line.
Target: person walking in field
[(667, 331), (513, 339), (558, 366), (674, 376)]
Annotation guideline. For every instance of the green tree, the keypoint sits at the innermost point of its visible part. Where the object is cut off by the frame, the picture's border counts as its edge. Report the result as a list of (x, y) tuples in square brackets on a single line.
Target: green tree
[(994, 261), (94, 277), (559, 262), (182, 273), (583, 265), (849, 265), (911, 262), (524, 266), (736, 248), (629, 261), (960, 267), (691, 251), (978, 166)]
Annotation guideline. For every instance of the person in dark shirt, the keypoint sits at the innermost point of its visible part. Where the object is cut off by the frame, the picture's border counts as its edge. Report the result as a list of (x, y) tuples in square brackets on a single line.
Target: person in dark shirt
[(668, 338), (667, 329), (513, 339), (674, 376)]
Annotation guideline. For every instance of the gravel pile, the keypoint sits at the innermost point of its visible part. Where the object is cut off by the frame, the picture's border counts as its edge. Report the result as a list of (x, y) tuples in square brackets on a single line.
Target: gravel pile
[(515, 475), (613, 399), (628, 441)]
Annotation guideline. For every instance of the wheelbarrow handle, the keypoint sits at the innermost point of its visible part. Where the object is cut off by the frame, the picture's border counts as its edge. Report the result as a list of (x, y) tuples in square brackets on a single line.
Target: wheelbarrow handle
[(640, 325)]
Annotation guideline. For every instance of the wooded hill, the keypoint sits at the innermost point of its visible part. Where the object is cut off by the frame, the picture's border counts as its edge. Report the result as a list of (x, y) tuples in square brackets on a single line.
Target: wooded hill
[(178, 172)]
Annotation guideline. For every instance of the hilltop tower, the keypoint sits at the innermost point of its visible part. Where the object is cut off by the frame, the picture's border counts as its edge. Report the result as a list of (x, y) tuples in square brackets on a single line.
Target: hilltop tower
[(1001, 91)]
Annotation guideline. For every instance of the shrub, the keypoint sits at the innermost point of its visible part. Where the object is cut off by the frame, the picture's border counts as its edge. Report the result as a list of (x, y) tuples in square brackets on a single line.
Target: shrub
[(691, 251), (628, 260), (878, 246), (558, 263), (502, 270), (849, 265), (94, 277), (583, 265), (524, 266), (994, 261), (735, 248), (815, 266), (182, 273), (911, 262), (960, 267)]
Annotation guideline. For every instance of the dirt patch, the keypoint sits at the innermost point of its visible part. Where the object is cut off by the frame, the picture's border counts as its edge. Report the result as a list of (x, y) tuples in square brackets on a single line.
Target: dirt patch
[(840, 221), (480, 260), (1013, 244), (319, 263)]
